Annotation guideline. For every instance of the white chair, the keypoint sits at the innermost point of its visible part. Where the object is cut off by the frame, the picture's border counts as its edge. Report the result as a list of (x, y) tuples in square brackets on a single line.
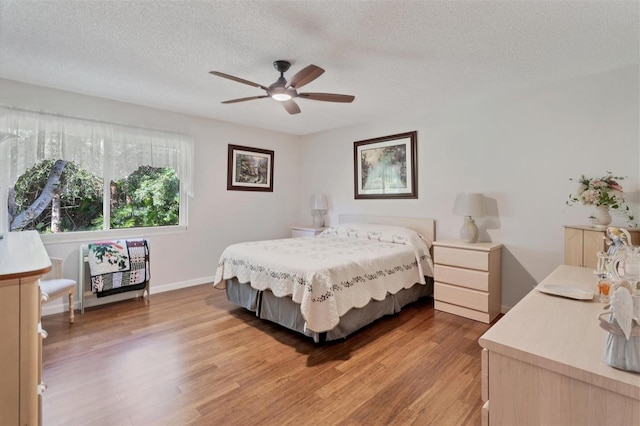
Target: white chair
[(53, 285)]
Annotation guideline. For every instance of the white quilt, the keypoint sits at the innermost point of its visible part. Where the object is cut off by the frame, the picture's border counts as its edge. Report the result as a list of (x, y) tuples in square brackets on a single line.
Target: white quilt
[(329, 274)]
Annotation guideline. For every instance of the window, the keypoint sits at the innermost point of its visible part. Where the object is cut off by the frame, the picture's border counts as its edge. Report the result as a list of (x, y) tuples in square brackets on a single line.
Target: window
[(56, 196), (150, 196), (60, 175)]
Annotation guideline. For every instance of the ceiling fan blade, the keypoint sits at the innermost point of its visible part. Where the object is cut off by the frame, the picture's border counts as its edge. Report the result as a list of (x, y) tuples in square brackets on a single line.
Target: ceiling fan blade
[(327, 97), (238, 79), (233, 101), (291, 107), (304, 76)]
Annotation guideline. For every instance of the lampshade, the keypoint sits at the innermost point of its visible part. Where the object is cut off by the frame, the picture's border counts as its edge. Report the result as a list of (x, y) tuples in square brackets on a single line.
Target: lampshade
[(318, 202), (469, 204), (318, 209)]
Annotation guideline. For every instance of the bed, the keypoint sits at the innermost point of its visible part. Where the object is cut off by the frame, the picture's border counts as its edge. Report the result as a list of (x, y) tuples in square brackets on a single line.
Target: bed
[(328, 286)]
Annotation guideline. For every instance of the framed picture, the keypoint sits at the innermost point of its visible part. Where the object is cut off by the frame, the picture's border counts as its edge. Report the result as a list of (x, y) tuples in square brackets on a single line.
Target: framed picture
[(249, 169), (386, 167)]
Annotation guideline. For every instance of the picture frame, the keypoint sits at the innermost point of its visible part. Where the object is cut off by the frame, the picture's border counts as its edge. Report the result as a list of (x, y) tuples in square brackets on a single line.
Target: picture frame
[(249, 169), (386, 167)]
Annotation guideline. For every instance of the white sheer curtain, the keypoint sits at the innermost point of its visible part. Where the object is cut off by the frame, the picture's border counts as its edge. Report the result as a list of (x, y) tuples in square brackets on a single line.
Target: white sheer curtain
[(109, 150)]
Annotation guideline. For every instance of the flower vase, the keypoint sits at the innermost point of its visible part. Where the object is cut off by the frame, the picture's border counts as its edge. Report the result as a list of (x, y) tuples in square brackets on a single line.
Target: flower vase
[(602, 217)]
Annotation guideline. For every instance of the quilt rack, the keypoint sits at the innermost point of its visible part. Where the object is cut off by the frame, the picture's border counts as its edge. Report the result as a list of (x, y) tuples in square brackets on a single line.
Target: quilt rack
[(86, 296)]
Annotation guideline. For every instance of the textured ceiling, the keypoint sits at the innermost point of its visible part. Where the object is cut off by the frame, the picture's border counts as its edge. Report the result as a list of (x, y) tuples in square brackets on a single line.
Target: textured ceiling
[(393, 56)]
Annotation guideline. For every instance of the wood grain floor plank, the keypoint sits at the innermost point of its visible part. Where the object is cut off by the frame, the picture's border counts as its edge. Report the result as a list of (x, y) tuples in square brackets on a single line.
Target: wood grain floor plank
[(189, 357)]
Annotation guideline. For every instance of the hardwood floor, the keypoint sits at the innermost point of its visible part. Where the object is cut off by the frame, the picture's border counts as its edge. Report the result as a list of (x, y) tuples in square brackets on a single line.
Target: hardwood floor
[(191, 357)]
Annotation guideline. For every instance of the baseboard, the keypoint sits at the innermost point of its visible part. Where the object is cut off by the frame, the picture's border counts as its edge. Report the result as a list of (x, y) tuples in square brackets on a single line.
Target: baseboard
[(181, 284), (58, 305)]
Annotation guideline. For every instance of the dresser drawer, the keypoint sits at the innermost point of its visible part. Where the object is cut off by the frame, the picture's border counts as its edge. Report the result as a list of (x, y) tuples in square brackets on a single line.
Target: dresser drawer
[(464, 297), (470, 278), (463, 258)]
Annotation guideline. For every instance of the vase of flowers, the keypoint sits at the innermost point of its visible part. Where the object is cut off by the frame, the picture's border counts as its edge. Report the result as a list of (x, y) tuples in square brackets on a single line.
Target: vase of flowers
[(601, 216), (605, 195)]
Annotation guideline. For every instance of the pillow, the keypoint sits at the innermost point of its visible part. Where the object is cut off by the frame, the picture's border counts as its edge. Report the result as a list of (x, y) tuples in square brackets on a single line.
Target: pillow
[(333, 231), (383, 233), (389, 234)]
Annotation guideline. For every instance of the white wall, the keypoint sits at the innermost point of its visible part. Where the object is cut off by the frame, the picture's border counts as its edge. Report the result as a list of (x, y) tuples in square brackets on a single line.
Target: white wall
[(519, 150), (217, 217)]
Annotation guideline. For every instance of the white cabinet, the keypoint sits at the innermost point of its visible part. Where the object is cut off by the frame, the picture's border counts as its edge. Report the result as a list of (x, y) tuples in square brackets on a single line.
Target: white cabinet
[(23, 260), (467, 279), (305, 231), (582, 243)]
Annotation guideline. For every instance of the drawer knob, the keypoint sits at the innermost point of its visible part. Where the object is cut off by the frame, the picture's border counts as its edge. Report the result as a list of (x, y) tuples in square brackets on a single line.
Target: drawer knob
[(41, 388), (42, 332)]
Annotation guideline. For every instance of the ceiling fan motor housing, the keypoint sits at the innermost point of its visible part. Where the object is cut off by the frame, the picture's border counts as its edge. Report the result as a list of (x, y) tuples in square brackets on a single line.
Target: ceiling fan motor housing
[(278, 90)]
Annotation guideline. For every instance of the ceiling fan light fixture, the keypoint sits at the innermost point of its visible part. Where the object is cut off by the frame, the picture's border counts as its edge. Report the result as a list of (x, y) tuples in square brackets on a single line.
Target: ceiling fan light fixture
[(279, 93), (281, 97)]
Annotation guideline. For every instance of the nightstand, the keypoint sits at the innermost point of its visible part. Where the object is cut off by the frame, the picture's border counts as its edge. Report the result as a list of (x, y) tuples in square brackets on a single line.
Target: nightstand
[(467, 279), (305, 231)]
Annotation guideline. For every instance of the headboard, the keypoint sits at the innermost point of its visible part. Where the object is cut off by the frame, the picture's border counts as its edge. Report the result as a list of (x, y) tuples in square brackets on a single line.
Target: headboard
[(425, 226)]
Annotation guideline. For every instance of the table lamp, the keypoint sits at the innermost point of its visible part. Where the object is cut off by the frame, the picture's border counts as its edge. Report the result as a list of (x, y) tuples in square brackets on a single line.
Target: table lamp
[(468, 205), (318, 209)]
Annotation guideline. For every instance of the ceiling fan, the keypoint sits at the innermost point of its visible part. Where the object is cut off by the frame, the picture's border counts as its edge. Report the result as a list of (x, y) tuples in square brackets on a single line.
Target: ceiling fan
[(286, 90)]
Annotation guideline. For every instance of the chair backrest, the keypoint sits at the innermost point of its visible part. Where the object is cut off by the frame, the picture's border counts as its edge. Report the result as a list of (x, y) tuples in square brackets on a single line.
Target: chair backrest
[(56, 269)]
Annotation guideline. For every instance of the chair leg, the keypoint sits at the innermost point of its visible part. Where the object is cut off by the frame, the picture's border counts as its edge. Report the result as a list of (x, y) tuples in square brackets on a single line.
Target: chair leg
[(71, 308)]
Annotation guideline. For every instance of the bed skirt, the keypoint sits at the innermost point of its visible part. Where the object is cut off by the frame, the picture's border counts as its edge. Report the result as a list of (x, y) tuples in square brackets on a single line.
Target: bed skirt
[(284, 311)]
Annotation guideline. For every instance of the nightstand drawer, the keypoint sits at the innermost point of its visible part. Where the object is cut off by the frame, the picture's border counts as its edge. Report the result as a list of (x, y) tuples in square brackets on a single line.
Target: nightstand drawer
[(463, 312), (305, 231), (463, 258), (470, 278), (464, 297), (297, 233)]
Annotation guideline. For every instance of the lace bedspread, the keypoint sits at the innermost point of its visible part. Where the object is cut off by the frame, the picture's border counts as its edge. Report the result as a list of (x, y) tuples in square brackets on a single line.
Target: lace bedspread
[(328, 274)]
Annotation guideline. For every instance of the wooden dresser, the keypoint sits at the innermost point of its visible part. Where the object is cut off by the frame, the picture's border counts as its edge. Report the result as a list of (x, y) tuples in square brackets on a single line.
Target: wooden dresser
[(581, 243), (23, 260), (542, 363), (467, 279)]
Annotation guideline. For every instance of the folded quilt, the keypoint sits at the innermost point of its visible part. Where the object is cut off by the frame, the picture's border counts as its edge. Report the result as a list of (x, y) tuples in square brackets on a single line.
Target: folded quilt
[(118, 266)]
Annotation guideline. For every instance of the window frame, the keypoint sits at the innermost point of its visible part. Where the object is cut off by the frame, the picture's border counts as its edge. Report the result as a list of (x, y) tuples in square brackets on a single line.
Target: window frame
[(15, 120), (111, 233)]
